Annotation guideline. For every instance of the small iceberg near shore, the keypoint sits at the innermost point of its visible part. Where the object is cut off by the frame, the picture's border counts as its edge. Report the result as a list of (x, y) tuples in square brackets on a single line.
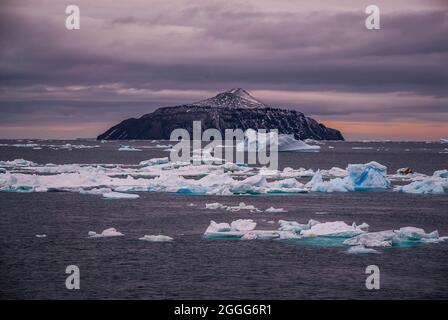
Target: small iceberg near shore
[(286, 142), (110, 232)]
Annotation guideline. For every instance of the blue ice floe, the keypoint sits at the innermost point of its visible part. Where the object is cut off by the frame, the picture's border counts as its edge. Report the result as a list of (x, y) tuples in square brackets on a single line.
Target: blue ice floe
[(436, 184), (326, 234), (156, 238)]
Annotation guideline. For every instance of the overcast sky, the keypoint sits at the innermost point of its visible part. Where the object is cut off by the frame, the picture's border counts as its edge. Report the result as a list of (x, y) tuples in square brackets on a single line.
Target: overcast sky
[(130, 57)]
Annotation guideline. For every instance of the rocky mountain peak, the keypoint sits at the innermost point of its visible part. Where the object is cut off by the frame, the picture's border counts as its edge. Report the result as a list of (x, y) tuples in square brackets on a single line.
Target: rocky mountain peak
[(234, 98)]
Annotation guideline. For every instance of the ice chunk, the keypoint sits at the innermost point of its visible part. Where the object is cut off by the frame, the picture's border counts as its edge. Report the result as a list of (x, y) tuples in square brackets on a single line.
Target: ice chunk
[(156, 238), (243, 225), (218, 227), (128, 148), (317, 184), (437, 184), (154, 161), (17, 163), (371, 175), (215, 206), (111, 232), (251, 185), (361, 250), (120, 195), (372, 239), (261, 234), (415, 234), (292, 226), (332, 229), (275, 210), (263, 141), (41, 235), (243, 206)]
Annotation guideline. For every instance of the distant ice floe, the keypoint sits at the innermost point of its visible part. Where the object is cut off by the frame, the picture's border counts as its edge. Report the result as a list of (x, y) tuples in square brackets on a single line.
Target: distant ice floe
[(128, 148), (111, 232), (36, 146), (241, 206), (41, 235), (120, 195), (286, 143), (333, 233), (275, 210), (156, 238), (161, 175)]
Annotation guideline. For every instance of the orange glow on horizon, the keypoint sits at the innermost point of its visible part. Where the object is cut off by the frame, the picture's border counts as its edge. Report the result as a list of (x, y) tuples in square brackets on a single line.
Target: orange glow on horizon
[(355, 130)]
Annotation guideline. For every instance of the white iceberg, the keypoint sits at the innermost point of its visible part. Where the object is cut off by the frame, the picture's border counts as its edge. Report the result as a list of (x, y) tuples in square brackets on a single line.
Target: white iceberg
[(110, 232), (243, 225), (371, 175), (119, 195), (372, 239), (361, 250), (437, 184), (257, 141), (41, 235), (332, 229), (128, 148), (275, 210), (154, 161), (156, 238)]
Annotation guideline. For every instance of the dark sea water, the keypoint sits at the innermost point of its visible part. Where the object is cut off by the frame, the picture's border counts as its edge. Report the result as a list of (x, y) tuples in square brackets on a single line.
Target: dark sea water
[(192, 267)]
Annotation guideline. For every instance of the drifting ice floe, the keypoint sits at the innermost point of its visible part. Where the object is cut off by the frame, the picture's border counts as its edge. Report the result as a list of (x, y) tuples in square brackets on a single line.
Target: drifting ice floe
[(156, 238), (286, 142), (120, 195), (158, 175), (111, 232), (128, 148), (327, 233), (275, 210), (41, 235), (437, 184), (388, 238), (361, 250), (241, 206), (337, 229)]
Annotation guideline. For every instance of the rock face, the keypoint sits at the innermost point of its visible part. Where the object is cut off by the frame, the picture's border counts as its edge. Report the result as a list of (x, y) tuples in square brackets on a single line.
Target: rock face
[(233, 109)]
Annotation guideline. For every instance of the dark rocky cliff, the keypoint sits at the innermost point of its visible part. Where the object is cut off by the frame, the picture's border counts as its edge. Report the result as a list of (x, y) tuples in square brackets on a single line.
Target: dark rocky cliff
[(234, 109)]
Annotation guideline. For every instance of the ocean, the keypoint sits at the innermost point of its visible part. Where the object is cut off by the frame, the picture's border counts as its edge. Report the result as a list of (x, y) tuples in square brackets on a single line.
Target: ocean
[(193, 267)]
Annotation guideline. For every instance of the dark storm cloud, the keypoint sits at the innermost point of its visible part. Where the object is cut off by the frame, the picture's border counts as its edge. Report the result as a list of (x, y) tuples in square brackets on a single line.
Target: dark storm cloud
[(130, 52)]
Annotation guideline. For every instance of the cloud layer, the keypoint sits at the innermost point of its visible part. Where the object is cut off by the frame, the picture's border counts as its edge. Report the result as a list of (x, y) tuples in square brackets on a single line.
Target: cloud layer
[(130, 57)]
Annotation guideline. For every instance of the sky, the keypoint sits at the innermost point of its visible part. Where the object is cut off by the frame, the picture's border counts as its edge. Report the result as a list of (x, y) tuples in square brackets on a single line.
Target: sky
[(131, 57)]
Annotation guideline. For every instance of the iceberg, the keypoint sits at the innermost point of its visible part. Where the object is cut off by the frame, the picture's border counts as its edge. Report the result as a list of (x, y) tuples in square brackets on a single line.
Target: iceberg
[(437, 184), (361, 250), (111, 232), (243, 225), (41, 235), (154, 161), (332, 229), (372, 239), (156, 238), (389, 238), (119, 195), (275, 210), (371, 175), (254, 141), (128, 148)]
